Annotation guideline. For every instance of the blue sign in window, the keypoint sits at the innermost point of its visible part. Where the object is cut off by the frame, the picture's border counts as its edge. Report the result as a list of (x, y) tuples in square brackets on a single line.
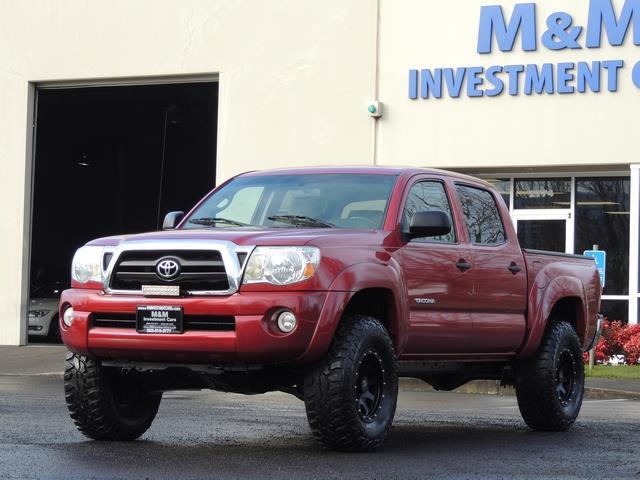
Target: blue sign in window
[(600, 256)]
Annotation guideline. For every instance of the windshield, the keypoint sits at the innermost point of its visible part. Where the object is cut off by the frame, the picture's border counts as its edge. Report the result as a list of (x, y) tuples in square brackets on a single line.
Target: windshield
[(304, 200)]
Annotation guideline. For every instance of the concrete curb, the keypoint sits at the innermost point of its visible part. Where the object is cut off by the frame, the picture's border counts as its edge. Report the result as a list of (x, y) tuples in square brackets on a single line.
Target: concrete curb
[(492, 387), (607, 394), (480, 387)]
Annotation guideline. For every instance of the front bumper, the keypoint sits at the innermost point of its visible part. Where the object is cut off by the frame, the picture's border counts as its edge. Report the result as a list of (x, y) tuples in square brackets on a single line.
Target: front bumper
[(254, 338)]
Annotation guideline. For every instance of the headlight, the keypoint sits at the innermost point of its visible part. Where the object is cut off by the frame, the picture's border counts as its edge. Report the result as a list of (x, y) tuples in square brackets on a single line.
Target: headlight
[(38, 313), (67, 316), (281, 265), (87, 265)]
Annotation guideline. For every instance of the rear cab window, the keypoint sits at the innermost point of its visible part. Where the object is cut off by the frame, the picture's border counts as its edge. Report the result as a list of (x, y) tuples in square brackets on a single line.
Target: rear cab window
[(481, 215)]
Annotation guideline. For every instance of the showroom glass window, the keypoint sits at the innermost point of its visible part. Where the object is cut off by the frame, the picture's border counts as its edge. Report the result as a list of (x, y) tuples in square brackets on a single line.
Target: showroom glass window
[(602, 218), (615, 310), (503, 186), (542, 193)]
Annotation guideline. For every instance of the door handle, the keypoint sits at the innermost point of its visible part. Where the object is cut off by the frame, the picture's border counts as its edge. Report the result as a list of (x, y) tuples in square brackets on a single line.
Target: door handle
[(463, 265), (513, 268)]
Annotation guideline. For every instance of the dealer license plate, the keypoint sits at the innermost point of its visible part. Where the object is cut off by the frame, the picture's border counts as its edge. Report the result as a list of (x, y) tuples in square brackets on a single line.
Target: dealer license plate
[(159, 319)]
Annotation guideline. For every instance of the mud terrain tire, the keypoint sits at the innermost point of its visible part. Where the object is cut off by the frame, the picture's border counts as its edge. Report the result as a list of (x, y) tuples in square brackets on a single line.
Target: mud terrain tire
[(103, 403), (550, 385), (350, 395)]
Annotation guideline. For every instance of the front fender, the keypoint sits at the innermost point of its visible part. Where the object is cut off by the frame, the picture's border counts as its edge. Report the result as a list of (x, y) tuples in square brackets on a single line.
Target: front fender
[(542, 298), (346, 284)]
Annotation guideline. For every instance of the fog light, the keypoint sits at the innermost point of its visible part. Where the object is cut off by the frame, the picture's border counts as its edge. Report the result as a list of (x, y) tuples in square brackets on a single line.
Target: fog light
[(67, 316), (287, 321)]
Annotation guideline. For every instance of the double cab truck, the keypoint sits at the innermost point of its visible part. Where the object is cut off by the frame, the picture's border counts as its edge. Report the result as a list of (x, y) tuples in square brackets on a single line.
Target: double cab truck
[(329, 284)]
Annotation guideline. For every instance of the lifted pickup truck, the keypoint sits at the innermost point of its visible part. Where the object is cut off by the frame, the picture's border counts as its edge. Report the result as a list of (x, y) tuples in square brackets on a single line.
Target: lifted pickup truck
[(329, 284)]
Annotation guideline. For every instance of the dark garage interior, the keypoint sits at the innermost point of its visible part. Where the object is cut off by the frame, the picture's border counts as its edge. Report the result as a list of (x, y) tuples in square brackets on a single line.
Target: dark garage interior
[(112, 160)]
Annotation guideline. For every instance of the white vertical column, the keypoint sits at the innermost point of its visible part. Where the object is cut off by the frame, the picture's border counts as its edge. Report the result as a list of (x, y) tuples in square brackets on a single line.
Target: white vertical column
[(571, 222), (634, 221)]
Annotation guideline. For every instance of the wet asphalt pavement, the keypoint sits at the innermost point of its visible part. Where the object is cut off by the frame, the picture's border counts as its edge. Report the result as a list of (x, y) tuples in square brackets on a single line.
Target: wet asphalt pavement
[(214, 435)]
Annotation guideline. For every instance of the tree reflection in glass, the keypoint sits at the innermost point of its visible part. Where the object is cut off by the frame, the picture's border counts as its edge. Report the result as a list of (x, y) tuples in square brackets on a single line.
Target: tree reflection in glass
[(602, 218)]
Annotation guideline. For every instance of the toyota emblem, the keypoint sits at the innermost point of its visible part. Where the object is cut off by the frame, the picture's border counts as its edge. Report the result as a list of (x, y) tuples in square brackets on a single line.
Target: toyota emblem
[(168, 268)]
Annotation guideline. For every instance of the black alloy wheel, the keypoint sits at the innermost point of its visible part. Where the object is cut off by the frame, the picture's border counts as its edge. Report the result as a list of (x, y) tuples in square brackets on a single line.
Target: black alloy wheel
[(129, 402), (565, 377), (369, 385)]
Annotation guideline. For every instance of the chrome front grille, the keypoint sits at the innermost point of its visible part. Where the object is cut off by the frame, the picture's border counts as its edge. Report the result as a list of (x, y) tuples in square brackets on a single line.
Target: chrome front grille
[(206, 267), (199, 270)]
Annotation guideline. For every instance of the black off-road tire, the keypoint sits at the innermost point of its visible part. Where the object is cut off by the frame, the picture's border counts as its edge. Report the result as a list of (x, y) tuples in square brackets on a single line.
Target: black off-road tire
[(550, 385), (350, 395), (103, 403)]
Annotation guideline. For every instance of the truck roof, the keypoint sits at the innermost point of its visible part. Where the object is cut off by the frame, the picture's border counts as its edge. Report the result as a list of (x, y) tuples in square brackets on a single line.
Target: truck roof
[(364, 169)]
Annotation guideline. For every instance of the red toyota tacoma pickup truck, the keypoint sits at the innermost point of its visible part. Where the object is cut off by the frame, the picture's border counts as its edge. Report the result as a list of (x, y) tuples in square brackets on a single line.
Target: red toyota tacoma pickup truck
[(329, 284)]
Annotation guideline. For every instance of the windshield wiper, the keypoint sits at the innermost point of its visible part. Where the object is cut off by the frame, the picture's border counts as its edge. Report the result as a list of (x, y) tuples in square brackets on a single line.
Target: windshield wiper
[(212, 221), (299, 220)]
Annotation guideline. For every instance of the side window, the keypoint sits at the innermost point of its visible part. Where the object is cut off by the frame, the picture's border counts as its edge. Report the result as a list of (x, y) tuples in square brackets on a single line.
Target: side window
[(426, 196), (481, 215)]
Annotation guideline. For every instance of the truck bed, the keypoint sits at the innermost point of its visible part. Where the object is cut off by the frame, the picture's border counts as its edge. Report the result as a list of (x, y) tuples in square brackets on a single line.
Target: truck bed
[(562, 271)]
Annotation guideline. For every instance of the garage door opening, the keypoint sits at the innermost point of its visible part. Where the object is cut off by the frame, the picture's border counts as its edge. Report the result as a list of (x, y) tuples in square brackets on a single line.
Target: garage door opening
[(112, 160)]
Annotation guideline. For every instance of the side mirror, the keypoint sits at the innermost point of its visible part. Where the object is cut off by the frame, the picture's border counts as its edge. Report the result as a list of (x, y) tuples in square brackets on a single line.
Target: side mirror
[(429, 224), (172, 219)]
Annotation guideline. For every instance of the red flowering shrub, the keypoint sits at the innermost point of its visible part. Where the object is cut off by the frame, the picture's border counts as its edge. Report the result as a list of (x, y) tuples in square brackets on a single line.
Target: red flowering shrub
[(624, 334), (618, 339), (632, 349), (602, 351)]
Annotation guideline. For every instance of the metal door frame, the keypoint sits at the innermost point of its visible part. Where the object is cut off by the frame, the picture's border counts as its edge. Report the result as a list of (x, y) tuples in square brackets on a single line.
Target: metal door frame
[(548, 214)]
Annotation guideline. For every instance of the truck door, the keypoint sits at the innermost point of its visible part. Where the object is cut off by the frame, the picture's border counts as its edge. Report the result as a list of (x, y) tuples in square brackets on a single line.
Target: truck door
[(498, 301), (437, 279)]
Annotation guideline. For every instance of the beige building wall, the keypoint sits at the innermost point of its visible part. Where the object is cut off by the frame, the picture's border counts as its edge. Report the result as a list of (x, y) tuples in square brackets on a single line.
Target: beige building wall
[(295, 80), (504, 131)]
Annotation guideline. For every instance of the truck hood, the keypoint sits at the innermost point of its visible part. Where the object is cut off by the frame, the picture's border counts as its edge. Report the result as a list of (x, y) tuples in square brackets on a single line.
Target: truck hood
[(251, 236)]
